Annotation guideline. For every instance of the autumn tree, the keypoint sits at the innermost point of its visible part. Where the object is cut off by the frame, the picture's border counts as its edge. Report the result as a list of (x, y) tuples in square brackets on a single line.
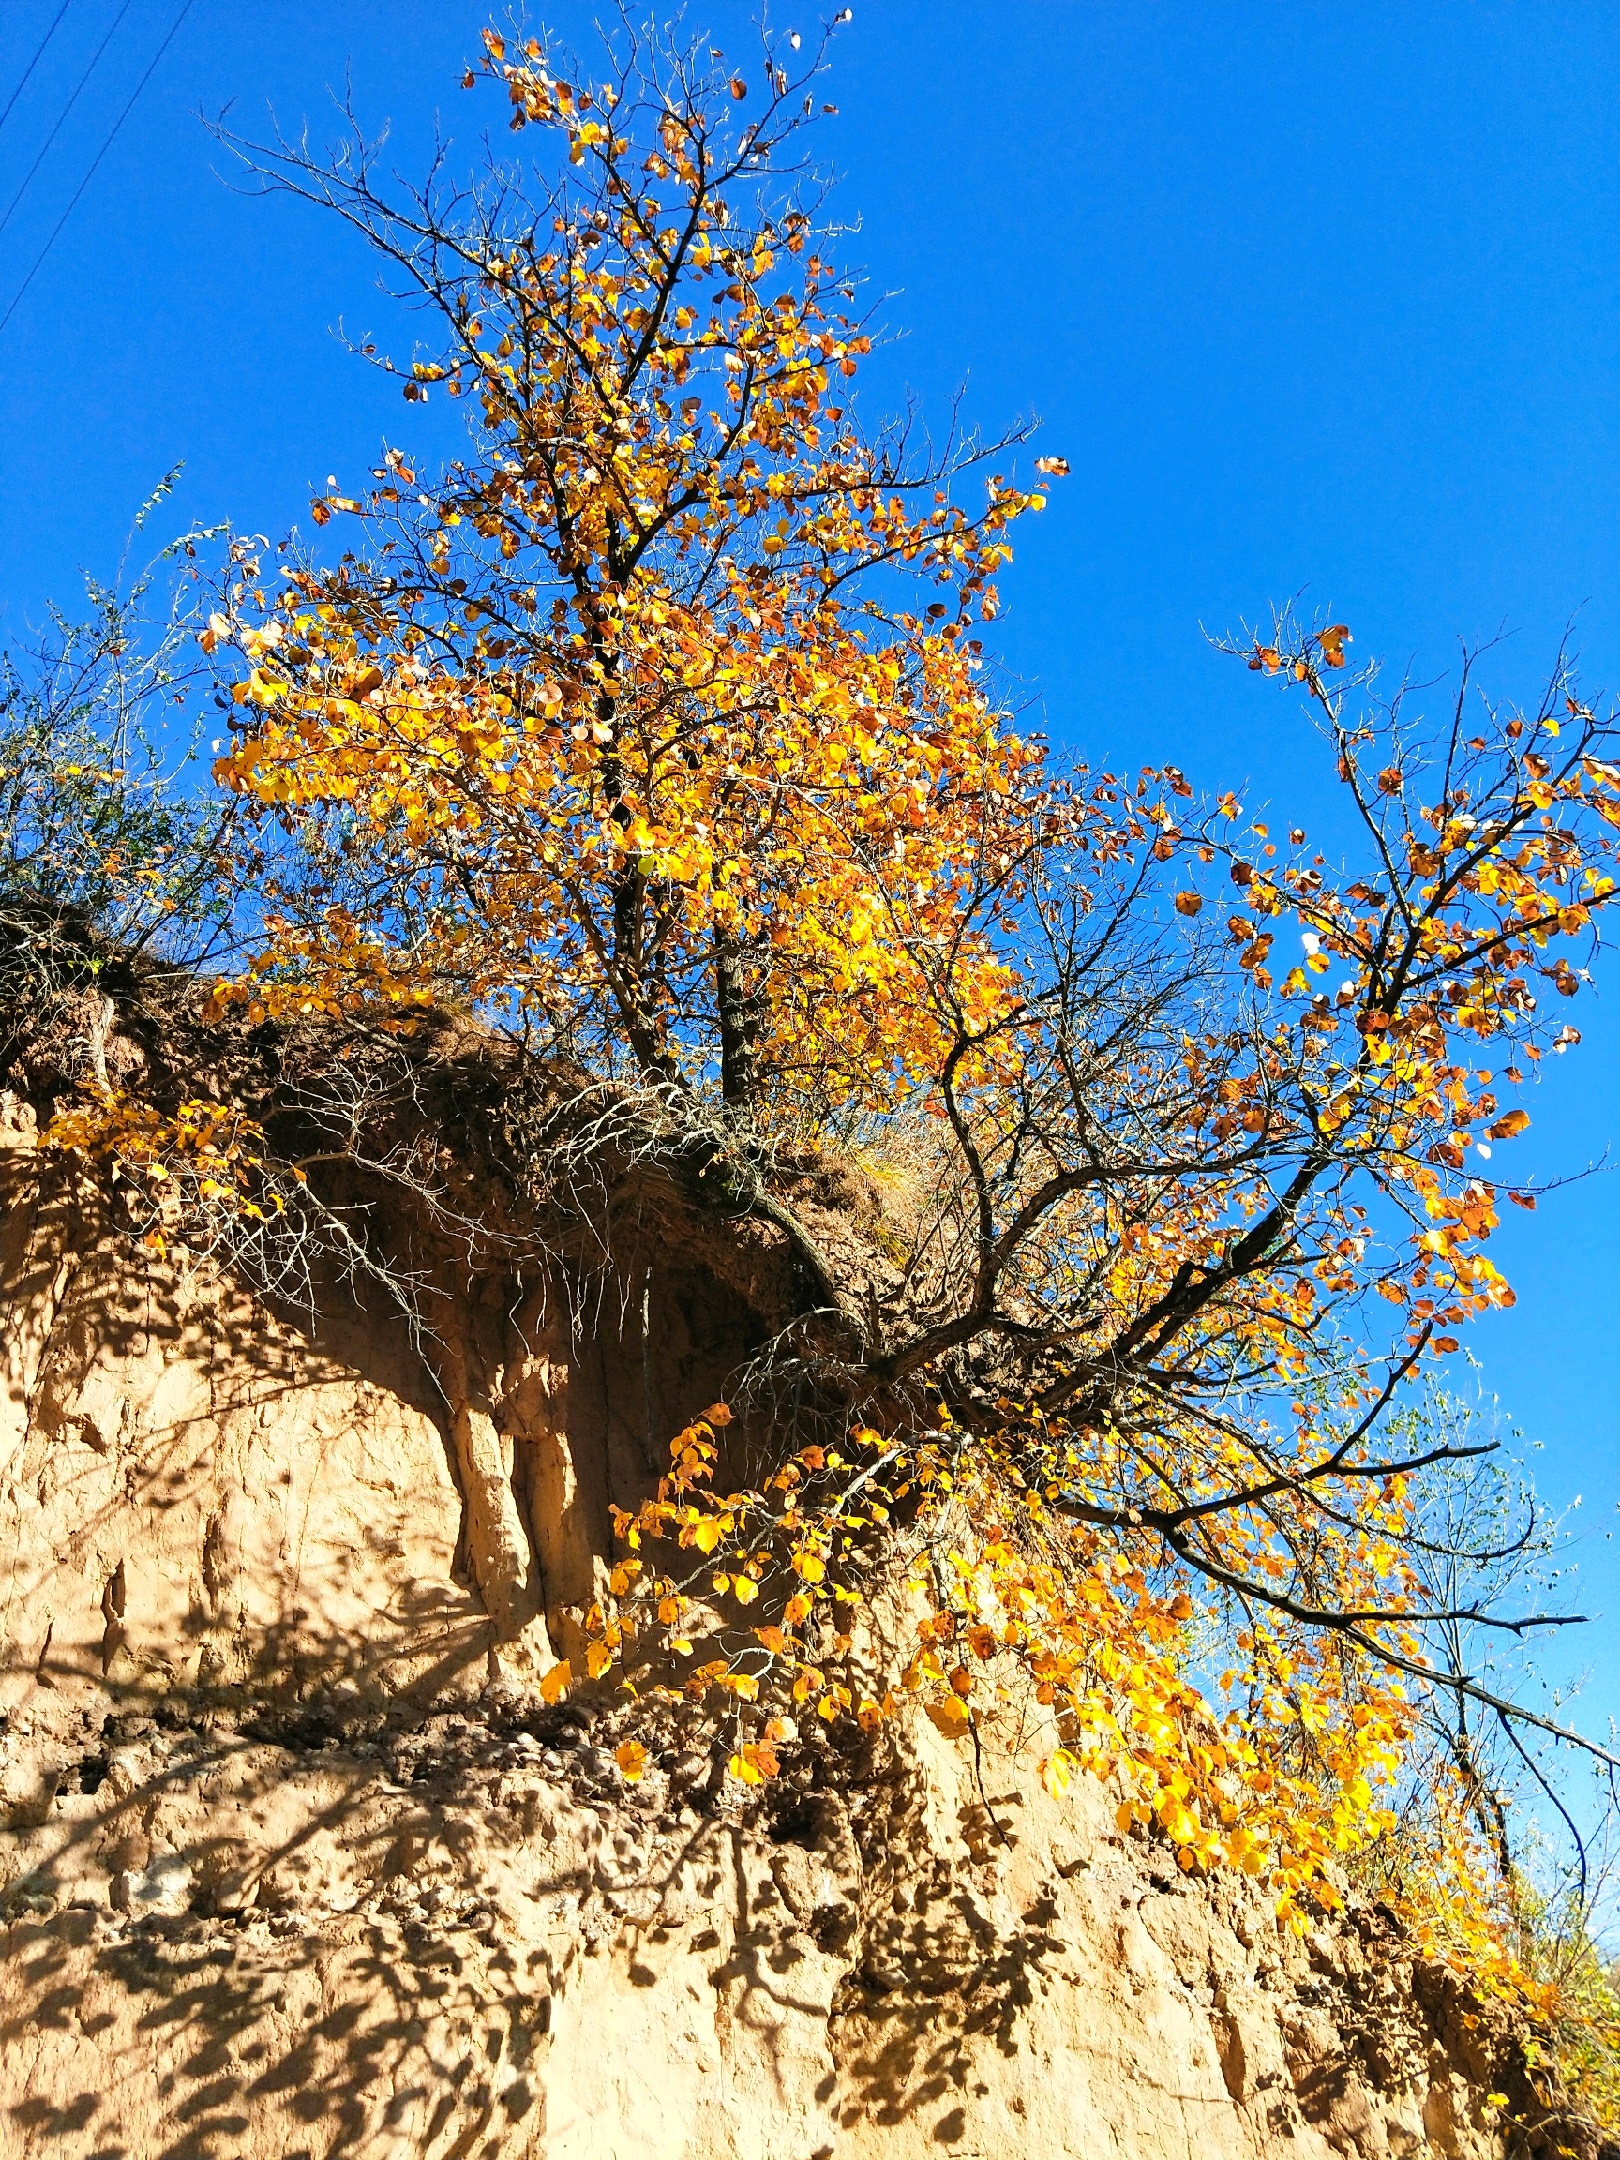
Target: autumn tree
[(659, 731), (634, 726)]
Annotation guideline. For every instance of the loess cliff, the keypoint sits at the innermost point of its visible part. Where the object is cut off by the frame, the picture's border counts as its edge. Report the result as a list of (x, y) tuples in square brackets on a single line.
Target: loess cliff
[(297, 1862)]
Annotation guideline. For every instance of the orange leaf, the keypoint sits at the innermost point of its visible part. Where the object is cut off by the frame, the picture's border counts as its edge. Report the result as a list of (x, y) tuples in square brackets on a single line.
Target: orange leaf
[(754, 1762)]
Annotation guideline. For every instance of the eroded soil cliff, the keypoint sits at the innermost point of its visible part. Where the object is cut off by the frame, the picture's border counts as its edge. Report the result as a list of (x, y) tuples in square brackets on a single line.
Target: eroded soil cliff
[(297, 1862)]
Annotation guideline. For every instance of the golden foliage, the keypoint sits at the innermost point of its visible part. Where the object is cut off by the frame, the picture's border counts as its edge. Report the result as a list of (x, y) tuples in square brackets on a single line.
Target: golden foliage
[(202, 1166), (661, 729)]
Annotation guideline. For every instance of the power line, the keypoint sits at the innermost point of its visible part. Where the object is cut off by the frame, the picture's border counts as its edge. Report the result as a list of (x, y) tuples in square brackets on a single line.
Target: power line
[(34, 63), (62, 115), (95, 161)]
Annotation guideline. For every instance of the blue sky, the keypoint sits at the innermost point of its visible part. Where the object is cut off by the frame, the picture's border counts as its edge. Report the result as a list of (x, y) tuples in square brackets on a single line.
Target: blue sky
[(1311, 297)]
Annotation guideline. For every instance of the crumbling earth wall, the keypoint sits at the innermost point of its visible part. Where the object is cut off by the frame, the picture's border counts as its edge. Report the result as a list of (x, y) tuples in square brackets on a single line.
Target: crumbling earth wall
[(296, 1862)]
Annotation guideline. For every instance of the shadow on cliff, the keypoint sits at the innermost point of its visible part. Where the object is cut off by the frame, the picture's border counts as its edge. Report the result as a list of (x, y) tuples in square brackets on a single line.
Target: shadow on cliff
[(408, 2022), (938, 1981)]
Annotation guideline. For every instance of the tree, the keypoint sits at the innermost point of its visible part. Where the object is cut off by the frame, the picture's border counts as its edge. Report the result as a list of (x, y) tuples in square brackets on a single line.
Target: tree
[(627, 725), (659, 729)]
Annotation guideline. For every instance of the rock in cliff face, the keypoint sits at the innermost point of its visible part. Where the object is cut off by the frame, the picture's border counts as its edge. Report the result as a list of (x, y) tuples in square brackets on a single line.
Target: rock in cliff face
[(298, 1863)]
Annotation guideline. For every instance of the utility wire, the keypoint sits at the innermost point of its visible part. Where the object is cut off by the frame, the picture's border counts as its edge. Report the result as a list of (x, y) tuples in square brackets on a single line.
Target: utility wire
[(34, 63), (62, 115), (112, 132)]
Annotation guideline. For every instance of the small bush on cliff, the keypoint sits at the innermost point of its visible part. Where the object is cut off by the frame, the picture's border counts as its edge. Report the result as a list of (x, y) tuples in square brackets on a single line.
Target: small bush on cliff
[(98, 833)]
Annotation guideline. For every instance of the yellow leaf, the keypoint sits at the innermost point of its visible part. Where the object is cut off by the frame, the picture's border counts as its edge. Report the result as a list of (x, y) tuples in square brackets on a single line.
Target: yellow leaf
[(631, 1758), (755, 1762), (556, 1683), (1057, 1772)]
